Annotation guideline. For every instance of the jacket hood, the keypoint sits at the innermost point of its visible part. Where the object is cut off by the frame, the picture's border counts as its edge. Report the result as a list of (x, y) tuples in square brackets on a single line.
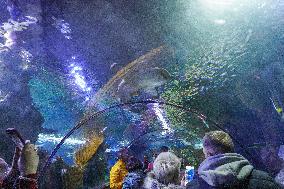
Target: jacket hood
[(225, 169)]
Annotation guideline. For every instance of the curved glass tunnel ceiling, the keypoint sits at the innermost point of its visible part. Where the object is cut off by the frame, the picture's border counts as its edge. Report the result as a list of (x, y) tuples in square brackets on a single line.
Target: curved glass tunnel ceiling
[(194, 66)]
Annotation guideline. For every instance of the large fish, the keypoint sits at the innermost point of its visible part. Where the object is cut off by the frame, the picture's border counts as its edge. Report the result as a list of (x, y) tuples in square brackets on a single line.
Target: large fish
[(155, 58), (145, 81), (86, 152)]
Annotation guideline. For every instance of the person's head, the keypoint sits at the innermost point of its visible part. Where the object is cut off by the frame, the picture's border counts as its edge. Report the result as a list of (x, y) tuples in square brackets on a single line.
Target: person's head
[(217, 142), (133, 164), (145, 158), (59, 159), (166, 168), (123, 154), (154, 156), (164, 149)]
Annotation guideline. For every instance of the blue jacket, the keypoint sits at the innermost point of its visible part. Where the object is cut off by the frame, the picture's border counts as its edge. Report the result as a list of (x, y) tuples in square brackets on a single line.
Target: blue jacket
[(230, 171)]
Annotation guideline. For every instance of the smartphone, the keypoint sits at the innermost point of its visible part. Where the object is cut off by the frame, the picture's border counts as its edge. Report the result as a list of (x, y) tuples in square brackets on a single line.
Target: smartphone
[(16, 137), (189, 174)]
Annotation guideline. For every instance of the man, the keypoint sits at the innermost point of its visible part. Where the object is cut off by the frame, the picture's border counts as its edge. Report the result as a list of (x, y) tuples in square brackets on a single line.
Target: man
[(151, 164), (145, 163), (119, 171), (25, 162), (223, 168)]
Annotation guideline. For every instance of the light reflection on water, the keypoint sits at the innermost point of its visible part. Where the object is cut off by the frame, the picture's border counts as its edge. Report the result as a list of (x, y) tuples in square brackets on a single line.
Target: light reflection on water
[(52, 138)]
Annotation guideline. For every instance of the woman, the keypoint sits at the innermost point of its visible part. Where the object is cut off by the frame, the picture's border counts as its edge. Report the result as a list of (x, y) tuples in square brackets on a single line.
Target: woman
[(165, 174)]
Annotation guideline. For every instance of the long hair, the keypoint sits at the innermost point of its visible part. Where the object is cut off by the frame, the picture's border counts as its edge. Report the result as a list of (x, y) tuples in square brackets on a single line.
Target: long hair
[(166, 168)]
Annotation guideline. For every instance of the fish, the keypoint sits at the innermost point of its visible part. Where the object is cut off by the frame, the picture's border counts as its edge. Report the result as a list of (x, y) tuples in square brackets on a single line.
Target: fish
[(4, 97), (144, 81), (156, 57), (113, 65), (277, 105), (248, 35)]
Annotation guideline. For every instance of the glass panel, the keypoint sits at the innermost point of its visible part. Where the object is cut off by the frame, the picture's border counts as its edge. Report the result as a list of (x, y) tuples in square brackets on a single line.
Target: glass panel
[(105, 75)]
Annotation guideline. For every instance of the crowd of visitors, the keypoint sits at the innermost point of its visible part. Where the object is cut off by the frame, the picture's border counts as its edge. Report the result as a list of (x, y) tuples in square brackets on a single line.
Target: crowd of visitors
[(221, 169)]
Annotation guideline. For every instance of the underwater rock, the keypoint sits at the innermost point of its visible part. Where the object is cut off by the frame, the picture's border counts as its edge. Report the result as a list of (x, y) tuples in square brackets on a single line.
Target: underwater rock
[(270, 158), (16, 108), (94, 172), (16, 105)]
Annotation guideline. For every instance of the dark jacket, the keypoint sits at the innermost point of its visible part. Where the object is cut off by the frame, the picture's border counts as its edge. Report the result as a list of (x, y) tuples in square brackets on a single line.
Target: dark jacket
[(133, 180), (230, 171), (257, 180), (28, 182)]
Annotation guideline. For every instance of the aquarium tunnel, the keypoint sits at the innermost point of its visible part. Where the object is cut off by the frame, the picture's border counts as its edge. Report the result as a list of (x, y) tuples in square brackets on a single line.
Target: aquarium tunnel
[(84, 79)]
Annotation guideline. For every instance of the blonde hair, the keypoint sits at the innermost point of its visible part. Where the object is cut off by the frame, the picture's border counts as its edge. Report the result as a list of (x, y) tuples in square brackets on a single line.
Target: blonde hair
[(166, 168), (218, 142)]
